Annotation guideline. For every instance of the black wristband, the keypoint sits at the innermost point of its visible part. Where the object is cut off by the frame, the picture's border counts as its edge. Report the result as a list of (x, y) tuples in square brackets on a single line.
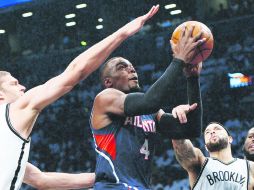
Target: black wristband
[(173, 129)]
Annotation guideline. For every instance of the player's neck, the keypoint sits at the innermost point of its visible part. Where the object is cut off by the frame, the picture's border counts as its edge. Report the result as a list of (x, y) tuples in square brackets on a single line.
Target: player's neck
[(224, 155), (3, 102)]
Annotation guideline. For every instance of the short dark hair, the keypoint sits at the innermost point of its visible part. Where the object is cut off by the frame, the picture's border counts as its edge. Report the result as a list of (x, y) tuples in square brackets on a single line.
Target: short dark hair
[(215, 122), (103, 70)]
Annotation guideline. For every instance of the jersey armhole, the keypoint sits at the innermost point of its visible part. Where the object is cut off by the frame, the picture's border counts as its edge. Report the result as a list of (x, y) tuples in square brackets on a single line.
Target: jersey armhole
[(248, 173), (200, 173), (10, 125)]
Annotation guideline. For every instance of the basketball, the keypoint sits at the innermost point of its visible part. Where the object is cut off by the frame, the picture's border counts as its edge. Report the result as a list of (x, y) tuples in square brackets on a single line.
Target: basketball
[(203, 51)]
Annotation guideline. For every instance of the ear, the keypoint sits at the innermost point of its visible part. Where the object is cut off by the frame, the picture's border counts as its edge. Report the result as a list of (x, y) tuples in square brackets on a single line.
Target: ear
[(108, 83), (230, 139)]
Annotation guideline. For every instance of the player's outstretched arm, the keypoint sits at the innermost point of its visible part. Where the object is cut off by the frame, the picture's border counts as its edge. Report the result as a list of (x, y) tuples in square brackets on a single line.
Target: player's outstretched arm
[(83, 65), (57, 181), (189, 157), (34, 100)]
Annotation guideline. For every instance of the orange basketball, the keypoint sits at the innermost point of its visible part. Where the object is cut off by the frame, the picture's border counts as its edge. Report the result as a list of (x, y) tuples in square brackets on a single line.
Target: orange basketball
[(203, 51)]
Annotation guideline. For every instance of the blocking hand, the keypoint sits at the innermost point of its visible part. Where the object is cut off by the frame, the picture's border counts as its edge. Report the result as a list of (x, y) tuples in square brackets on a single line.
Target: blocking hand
[(135, 25)]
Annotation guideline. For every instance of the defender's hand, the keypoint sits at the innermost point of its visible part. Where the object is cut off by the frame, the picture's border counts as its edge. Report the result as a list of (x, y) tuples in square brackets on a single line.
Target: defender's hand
[(181, 111), (135, 25)]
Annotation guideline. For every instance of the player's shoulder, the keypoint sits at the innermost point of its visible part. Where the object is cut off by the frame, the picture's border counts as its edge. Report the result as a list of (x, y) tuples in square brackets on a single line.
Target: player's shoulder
[(108, 91), (251, 168), (108, 94), (200, 156), (251, 163), (243, 160)]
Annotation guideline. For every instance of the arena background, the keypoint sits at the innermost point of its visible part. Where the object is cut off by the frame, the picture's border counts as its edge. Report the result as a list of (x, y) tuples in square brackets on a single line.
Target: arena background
[(39, 45)]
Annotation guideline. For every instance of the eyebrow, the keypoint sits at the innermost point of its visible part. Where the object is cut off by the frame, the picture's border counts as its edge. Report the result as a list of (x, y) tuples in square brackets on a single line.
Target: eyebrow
[(14, 81), (122, 63), (216, 127), (206, 130)]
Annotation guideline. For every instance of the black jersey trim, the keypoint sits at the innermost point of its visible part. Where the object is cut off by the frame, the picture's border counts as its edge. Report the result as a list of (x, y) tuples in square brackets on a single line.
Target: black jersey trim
[(224, 162), (200, 173), (14, 180), (248, 173), (10, 125)]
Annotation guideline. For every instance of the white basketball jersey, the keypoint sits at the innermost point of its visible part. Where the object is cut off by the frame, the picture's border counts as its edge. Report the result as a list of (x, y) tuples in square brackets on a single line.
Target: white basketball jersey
[(216, 175), (14, 153)]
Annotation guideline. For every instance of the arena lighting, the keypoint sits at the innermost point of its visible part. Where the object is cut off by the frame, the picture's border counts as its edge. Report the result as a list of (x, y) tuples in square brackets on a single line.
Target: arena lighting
[(175, 12), (70, 16), (81, 6), (2, 31), (28, 14), (83, 43), (237, 80), (68, 24), (170, 6), (100, 20), (99, 27), (235, 75)]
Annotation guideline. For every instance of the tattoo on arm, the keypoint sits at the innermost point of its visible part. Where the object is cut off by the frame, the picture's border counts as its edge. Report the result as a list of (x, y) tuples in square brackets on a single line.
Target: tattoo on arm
[(185, 153)]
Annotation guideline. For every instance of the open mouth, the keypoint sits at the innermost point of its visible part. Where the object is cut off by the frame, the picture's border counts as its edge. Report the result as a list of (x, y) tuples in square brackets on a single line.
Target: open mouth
[(213, 138), (251, 147), (133, 78)]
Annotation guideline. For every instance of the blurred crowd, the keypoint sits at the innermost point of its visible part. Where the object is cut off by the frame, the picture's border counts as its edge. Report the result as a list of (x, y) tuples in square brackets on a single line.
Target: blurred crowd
[(62, 139)]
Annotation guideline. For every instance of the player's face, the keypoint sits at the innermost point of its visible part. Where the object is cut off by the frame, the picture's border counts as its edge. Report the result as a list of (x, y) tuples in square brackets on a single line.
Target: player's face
[(124, 77), (216, 137), (11, 90), (249, 144)]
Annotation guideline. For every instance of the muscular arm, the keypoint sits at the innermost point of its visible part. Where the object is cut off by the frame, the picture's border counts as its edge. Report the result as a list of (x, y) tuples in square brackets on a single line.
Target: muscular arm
[(80, 67), (186, 154), (189, 157), (57, 181)]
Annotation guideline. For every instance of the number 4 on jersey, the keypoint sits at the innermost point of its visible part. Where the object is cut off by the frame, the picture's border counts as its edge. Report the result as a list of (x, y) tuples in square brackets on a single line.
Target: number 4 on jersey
[(144, 149)]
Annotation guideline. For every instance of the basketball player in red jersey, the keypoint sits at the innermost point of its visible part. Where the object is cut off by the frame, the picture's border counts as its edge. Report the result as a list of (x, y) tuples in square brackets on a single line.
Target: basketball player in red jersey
[(123, 120), (19, 110)]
